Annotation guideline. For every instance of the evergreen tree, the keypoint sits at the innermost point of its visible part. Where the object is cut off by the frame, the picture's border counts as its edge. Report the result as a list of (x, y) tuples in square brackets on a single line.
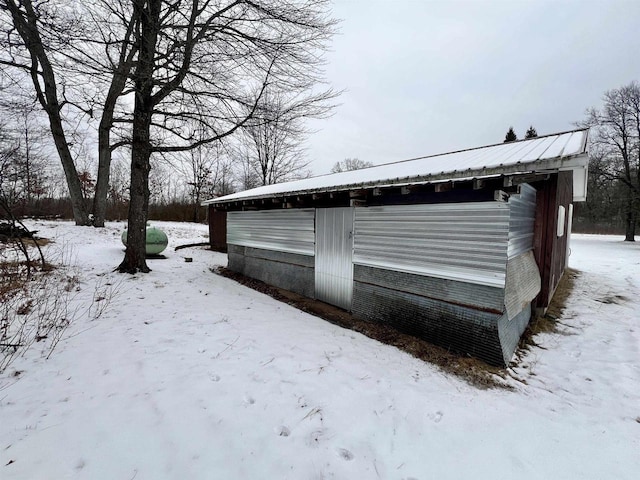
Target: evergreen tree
[(510, 136), (531, 133)]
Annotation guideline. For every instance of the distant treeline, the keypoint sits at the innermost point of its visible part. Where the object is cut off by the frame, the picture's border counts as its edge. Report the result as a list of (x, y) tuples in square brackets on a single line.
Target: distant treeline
[(61, 208), (605, 210)]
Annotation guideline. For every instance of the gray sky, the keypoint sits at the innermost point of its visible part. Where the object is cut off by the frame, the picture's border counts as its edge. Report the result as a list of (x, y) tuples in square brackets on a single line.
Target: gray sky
[(426, 77)]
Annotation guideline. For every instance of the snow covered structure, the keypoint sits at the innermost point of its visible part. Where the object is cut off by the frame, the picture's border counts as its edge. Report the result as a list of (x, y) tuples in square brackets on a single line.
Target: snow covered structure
[(458, 249)]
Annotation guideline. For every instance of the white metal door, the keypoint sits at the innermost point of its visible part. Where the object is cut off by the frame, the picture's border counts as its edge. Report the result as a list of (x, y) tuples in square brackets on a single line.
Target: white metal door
[(334, 256)]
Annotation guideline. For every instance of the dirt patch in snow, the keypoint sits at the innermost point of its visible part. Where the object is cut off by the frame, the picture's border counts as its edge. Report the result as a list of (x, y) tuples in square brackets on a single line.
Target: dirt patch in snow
[(473, 371)]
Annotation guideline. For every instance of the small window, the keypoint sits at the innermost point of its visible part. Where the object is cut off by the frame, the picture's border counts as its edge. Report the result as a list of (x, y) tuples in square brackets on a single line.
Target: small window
[(561, 218)]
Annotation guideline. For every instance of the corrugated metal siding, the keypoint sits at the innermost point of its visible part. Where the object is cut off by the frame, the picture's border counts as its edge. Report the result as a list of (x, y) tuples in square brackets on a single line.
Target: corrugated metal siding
[(522, 221), (282, 230), (523, 283), (334, 251), (463, 241), (510, 331)]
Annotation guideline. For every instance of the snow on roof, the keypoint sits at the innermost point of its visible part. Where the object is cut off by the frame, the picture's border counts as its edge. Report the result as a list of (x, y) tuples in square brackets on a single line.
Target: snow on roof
[(560, 151)]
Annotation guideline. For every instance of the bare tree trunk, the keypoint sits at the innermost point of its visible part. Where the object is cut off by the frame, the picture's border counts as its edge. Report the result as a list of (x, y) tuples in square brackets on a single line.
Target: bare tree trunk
[(196, 213), (80, 214), (26, 25), (104, 167), (118, 82), (135, 254), (630, 231), (630, 219)]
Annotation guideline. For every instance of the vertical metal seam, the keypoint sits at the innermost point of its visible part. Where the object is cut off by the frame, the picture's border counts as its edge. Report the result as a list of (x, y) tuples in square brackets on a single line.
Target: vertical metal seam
[(334, 251)]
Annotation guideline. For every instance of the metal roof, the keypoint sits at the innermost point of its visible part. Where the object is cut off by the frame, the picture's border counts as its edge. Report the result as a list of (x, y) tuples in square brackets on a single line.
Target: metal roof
[(549, 153)]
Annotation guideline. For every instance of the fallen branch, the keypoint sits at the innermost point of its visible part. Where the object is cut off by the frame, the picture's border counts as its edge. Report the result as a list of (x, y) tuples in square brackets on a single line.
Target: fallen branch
[(188, 245)]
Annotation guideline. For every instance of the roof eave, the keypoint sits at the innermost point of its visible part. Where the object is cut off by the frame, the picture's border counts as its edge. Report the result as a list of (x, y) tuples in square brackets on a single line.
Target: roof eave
[(571, 162)]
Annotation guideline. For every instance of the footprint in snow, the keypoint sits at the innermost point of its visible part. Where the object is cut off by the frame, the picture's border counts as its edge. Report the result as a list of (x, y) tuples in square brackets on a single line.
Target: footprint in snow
[(436, 417), (214, 378), (283, 431), (314, 438), (345, 454), (248, 400)]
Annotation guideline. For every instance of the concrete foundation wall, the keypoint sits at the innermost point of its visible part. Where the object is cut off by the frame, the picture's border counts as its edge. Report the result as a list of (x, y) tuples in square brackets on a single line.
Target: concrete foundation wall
[(285, 270)]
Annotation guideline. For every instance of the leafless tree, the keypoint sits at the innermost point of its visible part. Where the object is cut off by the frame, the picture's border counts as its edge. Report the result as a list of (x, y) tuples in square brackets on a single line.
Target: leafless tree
[(23, 174), (207, 172), (106, 54), (9, 153), (615, 145), (210, 63), (32, 33), (270, 150), (79, 55), (271, 147), (350, 164), (118, 194), (190, 65)]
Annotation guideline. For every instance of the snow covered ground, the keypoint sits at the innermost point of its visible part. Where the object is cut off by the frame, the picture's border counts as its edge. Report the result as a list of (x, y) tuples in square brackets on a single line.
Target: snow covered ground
[(189, 375)]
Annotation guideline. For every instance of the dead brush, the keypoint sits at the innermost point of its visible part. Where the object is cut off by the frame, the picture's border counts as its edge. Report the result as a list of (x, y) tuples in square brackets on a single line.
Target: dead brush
[(23, 310), (12, 277), (38, 300)]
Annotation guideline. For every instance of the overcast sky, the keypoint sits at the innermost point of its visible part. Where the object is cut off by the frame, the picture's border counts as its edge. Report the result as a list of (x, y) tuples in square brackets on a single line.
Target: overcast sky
[(426, 77)]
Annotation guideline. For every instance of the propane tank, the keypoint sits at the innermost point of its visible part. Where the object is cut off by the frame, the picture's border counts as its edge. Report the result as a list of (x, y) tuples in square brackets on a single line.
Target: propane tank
[(157, 240)]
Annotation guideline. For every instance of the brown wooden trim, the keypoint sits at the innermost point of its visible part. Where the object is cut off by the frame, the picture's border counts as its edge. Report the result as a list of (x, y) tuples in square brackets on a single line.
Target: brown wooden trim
[(550, 251), (217, 229)]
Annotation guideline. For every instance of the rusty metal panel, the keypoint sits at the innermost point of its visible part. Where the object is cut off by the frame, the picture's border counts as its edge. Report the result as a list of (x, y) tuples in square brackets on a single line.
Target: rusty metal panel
[(334, 252), (521, 223), (462, 241), (282, 230)]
